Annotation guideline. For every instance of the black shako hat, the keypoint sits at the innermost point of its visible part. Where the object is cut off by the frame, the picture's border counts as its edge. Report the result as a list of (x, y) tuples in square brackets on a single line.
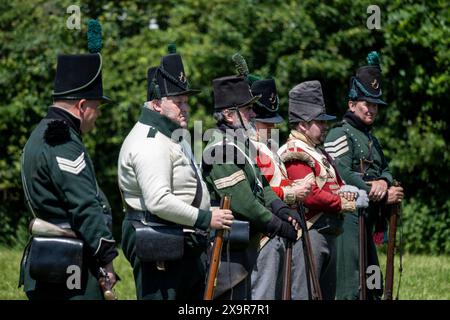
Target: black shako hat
[(79, 76), (169, 79), (232, 92), (306, 103), (366, 85), (267, 106)]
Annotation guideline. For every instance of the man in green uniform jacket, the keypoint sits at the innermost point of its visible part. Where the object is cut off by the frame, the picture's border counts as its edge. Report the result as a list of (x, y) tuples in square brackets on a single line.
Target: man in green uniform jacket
[(361, 162), (229, 169), (60, 185)]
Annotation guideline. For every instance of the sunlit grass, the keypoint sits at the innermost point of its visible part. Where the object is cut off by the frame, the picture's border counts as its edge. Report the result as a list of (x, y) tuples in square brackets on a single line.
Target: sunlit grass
[(424, 277)]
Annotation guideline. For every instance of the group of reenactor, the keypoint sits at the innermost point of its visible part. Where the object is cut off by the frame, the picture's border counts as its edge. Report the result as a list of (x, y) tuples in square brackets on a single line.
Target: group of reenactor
[(317, 184)]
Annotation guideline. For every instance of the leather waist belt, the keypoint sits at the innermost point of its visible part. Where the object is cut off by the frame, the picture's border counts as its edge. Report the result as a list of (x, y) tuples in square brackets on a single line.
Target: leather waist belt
[(147, 218)]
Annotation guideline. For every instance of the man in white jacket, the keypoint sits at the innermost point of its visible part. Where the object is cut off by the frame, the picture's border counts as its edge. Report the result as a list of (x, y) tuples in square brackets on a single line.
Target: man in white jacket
[(163, 187)]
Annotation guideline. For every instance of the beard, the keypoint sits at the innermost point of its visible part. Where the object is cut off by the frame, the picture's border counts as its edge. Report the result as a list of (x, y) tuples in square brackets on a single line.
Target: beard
[(251, 130), (248, 128)]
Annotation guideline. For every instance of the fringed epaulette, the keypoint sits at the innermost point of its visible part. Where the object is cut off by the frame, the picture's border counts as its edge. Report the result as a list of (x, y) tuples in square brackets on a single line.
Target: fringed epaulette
[(57, 132), (297, 154)]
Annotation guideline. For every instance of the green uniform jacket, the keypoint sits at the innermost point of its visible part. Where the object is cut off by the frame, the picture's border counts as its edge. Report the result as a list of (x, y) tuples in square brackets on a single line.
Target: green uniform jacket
[(228, 172), (348, 146), (61, 183)]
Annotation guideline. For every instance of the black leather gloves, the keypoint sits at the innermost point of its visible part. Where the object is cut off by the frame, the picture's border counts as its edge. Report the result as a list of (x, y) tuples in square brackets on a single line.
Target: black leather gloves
[(278, 227), (281, 210)]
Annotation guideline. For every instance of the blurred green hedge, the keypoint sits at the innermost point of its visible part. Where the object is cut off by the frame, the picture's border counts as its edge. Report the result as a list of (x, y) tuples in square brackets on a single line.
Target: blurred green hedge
[(292, 41)]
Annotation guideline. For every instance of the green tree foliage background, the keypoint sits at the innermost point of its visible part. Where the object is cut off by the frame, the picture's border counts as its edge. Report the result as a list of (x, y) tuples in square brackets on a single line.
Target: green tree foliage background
[(292, 41)]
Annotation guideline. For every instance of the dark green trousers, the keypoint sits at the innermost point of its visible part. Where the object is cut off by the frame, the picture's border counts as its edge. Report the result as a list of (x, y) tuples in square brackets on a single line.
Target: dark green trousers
[(347, 286), (181, 280)]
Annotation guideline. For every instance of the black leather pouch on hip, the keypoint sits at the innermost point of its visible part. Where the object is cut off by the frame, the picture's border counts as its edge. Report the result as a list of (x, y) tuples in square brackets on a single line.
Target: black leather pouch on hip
[(239, 235), (159, 242), (50, 258)]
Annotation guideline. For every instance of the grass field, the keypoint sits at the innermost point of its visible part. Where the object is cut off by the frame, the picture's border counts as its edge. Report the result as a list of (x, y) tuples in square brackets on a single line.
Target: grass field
[(424, 277)]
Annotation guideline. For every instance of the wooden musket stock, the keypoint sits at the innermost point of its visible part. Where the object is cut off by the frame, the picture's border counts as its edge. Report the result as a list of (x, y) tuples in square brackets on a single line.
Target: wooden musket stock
[(215, 256), (389, 282), (309, 256)]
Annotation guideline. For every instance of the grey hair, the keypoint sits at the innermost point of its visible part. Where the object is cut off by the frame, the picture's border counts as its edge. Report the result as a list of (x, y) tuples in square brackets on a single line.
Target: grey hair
[(148, 104), (219, 116)]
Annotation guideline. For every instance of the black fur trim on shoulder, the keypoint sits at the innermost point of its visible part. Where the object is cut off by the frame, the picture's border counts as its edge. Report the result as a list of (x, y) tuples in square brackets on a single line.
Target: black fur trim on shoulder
[(57, 132)]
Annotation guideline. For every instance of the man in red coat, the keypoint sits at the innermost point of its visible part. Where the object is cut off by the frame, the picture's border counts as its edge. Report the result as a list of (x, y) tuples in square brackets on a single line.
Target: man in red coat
[(329, 198)]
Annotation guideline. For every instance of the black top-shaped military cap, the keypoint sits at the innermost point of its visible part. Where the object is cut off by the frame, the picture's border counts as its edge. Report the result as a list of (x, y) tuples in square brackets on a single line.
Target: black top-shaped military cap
[(169, 79), (267, 106), (366, 84), (306, 103), (232, 92), (79, 77)]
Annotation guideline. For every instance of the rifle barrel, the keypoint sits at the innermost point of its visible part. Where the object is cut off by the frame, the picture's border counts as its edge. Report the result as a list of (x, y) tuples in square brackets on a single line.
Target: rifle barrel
[(362, 255), (287, 269)]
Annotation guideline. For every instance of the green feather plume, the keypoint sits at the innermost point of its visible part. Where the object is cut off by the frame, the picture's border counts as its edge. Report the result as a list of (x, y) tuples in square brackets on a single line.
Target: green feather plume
[(94, 36), (252, 78), (240, 64), (373, 59), (172, 48), (242, 68)]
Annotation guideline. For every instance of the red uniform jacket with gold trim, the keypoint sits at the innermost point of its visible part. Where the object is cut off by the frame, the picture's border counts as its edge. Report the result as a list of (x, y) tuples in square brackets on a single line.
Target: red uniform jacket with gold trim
[(304, 161)]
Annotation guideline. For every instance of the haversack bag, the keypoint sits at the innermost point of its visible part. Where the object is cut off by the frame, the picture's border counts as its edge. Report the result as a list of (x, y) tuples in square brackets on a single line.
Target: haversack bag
[(159, 242), (51, 257)]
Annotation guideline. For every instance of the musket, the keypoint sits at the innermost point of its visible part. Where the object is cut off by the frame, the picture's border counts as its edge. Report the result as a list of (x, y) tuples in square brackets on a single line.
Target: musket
[(362, 242), (287, 269), (362, 254), (39, 227), (310, 264), (389, 282), (105, 284), (215, 255)]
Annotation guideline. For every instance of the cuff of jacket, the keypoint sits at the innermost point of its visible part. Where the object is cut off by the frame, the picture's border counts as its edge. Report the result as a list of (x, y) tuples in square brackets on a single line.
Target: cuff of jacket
[(289, 195), (276, 206), (272, 227), (203, 219), (106, 253)]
